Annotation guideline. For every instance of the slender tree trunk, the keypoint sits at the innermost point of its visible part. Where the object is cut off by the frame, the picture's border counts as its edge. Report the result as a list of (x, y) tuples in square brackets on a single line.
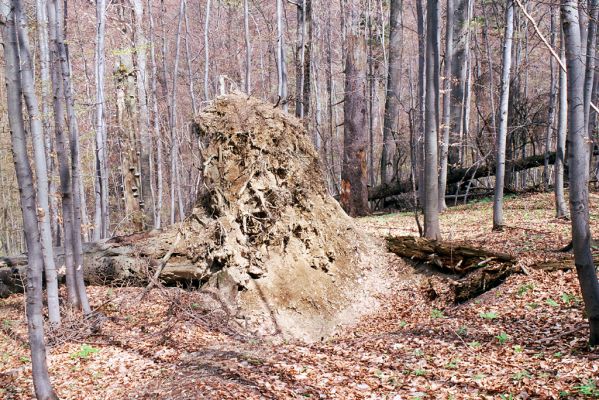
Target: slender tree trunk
[(503, 116), (41, 171), (421, 98), (299, 61), (35, 321), (248, 47), (354, 177), (551, 113), (61, 153), (461, 27), (46, 90), (207, 53), (147, 203), (281, 64), (579, 168), (591, 44), (75, 161), (431, 128), (307, 74), (392, 100), (192, 94), (446, 104), (101, 179), (175, 183), (155, 122)]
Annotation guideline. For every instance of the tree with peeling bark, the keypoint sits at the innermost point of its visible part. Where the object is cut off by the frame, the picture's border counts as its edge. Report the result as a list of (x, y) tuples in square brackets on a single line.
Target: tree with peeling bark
[(354, 174), (579, 167), (503, 116), (431, 124), (9, 14), (392, 100)]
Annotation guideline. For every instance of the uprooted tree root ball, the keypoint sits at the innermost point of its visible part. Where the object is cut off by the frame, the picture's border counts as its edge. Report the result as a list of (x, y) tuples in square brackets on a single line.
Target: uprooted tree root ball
[(271, 249)]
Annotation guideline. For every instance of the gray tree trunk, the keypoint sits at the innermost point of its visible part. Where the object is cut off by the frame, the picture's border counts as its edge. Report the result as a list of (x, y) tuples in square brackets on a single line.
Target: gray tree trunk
[(503, 116), (144, 116), (101, 179), (421, 25), (46, 91), (35, 321), (431, 124), (446, 104), (560, 142), (551, 113), (579, 168), (41, 171), (75, 159), (281, 64), (207, 53), (392, 100), (61, 154), (248, 47), (155, 122), (591, 44), (461, 32)]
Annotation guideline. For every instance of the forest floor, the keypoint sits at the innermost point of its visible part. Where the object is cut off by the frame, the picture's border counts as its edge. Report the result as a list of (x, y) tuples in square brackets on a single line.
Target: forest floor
[(523, 339)]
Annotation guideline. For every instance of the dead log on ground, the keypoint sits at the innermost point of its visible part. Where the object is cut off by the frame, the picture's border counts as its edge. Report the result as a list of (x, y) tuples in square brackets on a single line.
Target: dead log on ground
[(465, 271), (458, 175)]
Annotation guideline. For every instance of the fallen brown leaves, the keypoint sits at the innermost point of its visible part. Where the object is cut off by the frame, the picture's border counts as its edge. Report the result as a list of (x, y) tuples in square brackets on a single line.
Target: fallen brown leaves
[(524, 339)]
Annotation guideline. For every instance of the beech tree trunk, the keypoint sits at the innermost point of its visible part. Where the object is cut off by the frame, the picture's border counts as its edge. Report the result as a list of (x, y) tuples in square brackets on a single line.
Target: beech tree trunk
[(503, 116), (41, 171), (156, 121), (392, 100), (560, 142), (281, 64), (69, 100), (9, 12), (248, 47), (446, 104), (579, 167), (101, 179), (551, 112), (147, 203), (431, 128)]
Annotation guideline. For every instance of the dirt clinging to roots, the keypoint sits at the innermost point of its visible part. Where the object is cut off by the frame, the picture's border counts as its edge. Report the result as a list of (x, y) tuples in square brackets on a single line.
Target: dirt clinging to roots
[(268, 227)]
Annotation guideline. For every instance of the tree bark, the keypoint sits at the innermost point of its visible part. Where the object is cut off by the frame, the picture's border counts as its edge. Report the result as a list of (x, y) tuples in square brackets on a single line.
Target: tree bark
[(446, 104), (503, 116), (75, 161), (248, 47), (431, 128), (281, 64), (35, 321), (579, 167), (421, 26), (207, 53), (101, 220), (560, 142), (41, 171), (155, 122), (145, 139), (354, 177), (551, 112), (392, 100)]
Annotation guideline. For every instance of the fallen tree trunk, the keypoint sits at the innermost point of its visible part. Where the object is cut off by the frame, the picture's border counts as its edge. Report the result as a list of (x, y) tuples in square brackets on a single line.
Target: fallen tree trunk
[(127, 260), (460, 175), (464, 271)]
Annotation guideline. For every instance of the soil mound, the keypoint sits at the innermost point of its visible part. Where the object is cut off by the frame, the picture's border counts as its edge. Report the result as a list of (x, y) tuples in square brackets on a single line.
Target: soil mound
[(268, 225)]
